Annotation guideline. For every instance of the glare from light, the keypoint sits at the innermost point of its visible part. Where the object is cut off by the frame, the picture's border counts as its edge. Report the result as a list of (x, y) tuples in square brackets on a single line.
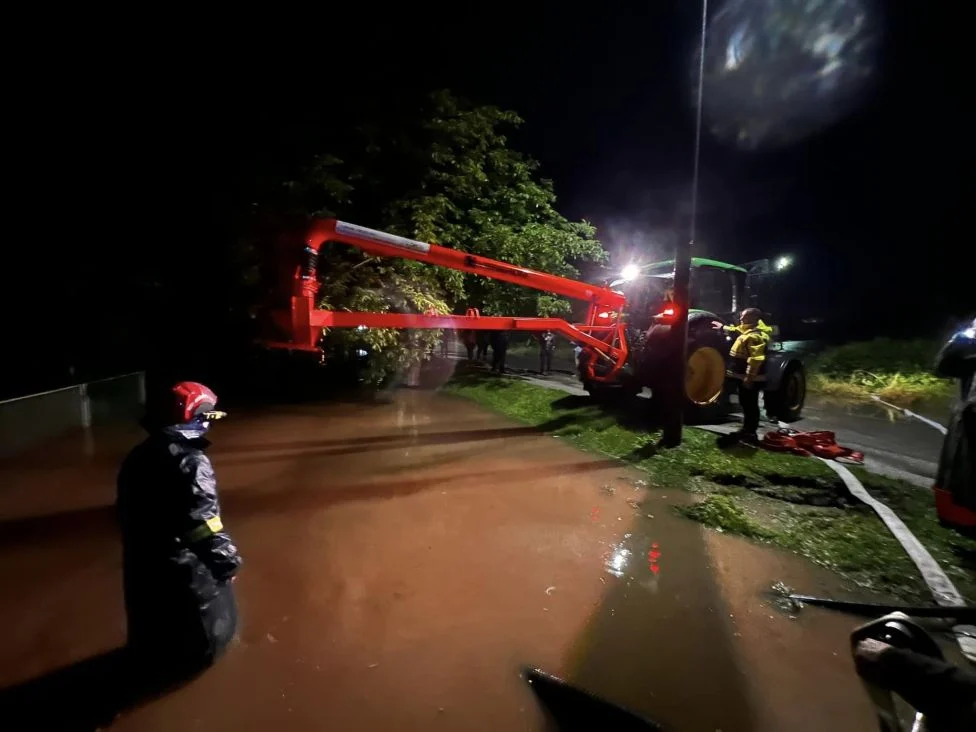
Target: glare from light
[(777, 72), (630, 272), (617, 563), (783, 263), (361, 328), (362, 352)]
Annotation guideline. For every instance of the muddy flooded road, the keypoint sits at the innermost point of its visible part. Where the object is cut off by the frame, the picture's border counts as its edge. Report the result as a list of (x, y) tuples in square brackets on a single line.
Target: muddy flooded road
[(404, 561)]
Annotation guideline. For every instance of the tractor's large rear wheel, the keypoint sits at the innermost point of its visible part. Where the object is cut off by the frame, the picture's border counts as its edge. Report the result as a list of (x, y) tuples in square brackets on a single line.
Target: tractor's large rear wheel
[(705, 398), (705, 379)]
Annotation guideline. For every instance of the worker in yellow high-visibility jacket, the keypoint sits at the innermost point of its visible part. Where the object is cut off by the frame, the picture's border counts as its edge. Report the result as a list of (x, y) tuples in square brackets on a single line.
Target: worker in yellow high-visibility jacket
[(748, 356)]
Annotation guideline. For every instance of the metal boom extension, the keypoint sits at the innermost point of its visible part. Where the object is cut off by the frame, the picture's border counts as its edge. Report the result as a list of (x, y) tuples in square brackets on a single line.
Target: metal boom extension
[(302, 325)]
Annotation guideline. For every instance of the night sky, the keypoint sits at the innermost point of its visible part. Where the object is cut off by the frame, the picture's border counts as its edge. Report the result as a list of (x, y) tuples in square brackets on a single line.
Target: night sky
[(153, 132), (605, 94)]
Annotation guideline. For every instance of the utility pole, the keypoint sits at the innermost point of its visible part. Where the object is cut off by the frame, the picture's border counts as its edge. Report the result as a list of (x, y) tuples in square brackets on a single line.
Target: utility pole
[(674, 382)]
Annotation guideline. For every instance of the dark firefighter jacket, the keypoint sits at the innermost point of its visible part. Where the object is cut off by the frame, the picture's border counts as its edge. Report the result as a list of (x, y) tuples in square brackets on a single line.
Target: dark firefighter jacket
[(748, 352), (177, 559)]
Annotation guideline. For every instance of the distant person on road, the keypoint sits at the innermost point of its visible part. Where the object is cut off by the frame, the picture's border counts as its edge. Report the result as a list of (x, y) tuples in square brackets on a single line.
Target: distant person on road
[(469, 339), (177, 561), (483, 339), (547, 345), (499, 346), (748, 356)]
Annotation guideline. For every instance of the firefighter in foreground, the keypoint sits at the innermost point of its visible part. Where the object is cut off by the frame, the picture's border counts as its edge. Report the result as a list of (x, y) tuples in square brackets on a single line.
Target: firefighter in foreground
[(748, 357), (178, 562)]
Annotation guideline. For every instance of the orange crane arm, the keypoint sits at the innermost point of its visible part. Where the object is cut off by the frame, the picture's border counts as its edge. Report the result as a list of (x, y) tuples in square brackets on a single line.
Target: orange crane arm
[(302, 324)]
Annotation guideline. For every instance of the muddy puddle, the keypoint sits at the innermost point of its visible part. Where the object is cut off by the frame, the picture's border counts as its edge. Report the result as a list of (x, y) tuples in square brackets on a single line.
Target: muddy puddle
[(404, 561)]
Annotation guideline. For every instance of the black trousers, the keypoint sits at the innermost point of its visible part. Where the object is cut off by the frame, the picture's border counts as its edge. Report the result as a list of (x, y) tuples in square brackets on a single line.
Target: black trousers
[(498, 358), (545, 361), (749, 401), (179, 631)]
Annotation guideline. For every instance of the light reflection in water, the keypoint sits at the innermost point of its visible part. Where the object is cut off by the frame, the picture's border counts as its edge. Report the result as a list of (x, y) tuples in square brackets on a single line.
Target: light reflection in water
[(617, 563)]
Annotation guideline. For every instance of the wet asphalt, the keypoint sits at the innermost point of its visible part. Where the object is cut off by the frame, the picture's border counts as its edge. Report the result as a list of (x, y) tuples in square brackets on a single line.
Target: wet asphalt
[(403, 562)]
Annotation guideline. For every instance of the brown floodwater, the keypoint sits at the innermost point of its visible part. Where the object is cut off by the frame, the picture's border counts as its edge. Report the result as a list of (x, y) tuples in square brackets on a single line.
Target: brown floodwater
[(404, 561)]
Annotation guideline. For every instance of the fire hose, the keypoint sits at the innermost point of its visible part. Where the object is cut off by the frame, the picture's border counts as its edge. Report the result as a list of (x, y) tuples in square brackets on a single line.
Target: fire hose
[(943, 591)]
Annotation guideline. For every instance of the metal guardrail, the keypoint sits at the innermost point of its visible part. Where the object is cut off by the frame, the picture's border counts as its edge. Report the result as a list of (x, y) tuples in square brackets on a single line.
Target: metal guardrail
[(29, 420)]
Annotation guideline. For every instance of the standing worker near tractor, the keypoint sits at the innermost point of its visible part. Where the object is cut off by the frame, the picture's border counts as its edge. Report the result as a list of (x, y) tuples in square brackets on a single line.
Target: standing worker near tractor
[(547, 345), (748, 356), (482, 341), (499, 346), (469, 339), (177, 560)]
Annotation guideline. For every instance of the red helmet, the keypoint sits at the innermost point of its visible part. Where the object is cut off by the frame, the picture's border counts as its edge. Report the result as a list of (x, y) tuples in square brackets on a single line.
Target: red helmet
[(192, 400)]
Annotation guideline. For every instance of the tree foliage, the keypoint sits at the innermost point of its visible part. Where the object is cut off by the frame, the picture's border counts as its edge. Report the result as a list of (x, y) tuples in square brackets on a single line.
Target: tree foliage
[(479, 195), (440, 170)]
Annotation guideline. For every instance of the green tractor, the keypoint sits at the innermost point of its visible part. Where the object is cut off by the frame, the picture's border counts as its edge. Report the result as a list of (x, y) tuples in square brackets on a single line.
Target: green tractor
[(719, 291)]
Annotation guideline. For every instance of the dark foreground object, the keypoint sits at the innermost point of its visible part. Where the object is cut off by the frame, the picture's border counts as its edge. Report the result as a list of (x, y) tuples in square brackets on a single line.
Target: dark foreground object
[(573, 710), (893, 655), (963, 614)]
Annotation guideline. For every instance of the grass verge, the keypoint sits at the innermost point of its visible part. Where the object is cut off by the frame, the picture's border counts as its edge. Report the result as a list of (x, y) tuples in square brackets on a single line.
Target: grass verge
[(792, 502), (903, 390), (899, 372)]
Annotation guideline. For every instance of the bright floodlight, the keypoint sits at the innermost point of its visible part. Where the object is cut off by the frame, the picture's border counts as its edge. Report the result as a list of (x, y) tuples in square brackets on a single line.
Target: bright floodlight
[(631, 272), (783, 262)]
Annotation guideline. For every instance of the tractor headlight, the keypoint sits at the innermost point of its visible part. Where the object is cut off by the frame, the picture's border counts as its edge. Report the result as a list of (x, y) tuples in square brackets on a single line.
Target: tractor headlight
[(630, 272)]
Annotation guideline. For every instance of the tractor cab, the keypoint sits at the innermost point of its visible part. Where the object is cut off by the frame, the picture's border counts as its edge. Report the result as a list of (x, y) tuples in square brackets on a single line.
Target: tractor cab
[(717, 289), (718, 292)]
